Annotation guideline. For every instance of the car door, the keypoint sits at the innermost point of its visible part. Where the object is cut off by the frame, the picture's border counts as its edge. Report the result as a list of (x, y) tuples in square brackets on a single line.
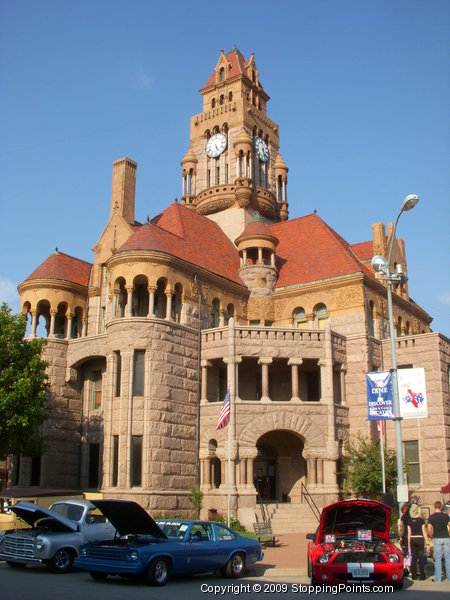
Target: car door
[(201, 549), (226, 543)]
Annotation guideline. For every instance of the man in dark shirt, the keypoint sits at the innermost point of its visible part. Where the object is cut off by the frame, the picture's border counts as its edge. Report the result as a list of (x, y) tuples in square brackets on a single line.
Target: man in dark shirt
[(438, 529)]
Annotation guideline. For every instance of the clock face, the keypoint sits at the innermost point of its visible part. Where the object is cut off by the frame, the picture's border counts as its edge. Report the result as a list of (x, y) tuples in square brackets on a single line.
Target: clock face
[(261, 149), (216, 145)]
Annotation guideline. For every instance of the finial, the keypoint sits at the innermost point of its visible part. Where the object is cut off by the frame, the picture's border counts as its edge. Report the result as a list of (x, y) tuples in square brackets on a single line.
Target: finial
[(147, 219), (256, 216), (315, 211), (176, 200), (56, 251)]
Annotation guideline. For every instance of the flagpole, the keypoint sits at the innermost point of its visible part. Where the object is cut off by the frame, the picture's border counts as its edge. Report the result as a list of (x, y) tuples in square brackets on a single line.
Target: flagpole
[(229, 470)]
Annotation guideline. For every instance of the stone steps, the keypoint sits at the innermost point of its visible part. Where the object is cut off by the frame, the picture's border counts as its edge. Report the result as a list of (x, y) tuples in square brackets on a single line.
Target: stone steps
[(291, 518)]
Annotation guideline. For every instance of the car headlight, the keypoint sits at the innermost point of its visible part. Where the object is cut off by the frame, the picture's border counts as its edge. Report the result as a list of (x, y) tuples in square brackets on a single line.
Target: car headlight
[(83, 552), (324, 558), (134, 555), (40, 543), (394, 558)]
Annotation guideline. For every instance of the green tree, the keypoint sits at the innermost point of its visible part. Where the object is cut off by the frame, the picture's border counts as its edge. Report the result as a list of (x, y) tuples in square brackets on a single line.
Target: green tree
[(23, 388), (362, 472), (196, 499)]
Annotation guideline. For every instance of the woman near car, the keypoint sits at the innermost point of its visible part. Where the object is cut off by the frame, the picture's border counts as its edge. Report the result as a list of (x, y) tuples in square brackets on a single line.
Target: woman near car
[(417, 541)]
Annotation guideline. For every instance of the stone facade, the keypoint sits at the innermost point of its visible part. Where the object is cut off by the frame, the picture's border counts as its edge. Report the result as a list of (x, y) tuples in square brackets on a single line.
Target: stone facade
[(211, 295)]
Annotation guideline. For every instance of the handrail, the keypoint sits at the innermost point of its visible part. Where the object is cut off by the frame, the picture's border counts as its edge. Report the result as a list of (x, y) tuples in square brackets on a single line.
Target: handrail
[(310, 501), (264, 515)]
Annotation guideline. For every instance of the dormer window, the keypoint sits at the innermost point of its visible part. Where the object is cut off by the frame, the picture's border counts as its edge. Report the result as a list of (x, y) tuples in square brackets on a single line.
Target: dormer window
[(222, 74)]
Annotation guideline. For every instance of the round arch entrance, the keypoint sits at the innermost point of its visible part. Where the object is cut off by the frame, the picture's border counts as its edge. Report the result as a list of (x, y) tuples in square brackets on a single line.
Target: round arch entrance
[(279, 468)]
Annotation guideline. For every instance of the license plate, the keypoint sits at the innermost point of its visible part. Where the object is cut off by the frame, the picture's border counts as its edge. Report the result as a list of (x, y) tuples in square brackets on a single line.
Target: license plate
[(360, 572)]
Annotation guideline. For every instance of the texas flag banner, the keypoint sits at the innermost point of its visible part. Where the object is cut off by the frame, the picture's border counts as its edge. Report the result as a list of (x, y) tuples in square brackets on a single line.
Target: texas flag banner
[(380, 404), (412, 393), (224, 416)]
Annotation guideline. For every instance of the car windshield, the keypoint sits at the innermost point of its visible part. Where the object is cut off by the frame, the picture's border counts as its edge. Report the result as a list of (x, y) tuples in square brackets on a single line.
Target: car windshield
[(73, 512), (350, 518), (174, 529)]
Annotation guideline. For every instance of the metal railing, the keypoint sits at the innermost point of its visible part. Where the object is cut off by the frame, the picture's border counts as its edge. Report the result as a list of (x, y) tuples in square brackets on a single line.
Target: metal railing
[(310, 501)]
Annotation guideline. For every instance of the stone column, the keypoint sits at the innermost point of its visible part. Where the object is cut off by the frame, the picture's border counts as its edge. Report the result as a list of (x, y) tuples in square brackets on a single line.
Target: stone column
[(151, 303), (260, 255), (326, 380), (53, 314), (320, 470), (342, 375), (70, 316), (204, 392), (129, 305), (312, 471), (244, 257), (169, 295), (295, 363), (265, 362), (34, 321)]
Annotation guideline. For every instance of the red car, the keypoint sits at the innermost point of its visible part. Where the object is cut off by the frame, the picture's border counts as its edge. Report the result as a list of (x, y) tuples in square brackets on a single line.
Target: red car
[(352, 545)]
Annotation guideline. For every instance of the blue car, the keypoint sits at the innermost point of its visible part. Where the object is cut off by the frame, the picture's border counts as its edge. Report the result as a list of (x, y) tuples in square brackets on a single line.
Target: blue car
[(157, 550)]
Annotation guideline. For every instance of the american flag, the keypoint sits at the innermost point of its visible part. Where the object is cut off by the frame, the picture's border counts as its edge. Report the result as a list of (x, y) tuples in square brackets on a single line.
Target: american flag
[(380, 427), (224, 416)]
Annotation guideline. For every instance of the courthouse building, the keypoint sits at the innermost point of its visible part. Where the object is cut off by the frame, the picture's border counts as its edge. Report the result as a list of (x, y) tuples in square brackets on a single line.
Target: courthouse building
[(222, 290)]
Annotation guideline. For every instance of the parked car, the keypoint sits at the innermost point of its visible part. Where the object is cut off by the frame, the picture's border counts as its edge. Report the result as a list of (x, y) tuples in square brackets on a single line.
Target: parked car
[(352, 544), (54, 535), (157, 550)]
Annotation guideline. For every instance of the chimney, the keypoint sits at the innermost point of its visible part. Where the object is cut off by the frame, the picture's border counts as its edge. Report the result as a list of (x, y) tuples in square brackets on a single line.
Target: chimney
[(123, 189), (379, 239)]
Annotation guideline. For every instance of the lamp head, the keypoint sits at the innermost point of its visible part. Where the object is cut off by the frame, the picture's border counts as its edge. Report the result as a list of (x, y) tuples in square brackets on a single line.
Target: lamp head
[(409, 202), (378, 262)]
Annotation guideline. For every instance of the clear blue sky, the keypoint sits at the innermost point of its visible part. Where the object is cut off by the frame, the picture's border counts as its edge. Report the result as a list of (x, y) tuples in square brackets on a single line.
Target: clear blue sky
[(360, 89)]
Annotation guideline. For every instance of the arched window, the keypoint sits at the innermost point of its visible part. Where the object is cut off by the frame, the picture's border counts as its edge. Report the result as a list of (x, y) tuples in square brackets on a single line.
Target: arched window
[(222, 99), (407, 328), (213, 103), (320, 316), (230, 312), (222, 74), (140, 297), (299, 318), (160, 299), (230, 96), (214, 314), (399, 327), (122, 300), (177, 303)]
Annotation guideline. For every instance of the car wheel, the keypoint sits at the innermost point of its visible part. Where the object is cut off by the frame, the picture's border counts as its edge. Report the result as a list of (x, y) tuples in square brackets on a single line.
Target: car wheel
[(62, 561), (158, 571), (16, 565), (98, 576), (235, 566)]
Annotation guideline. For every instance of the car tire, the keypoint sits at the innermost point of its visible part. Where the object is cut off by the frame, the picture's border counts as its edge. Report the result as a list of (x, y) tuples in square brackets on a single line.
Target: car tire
[(235, 567), (62, 561), (15, 565), (158, 571), (98, 576)]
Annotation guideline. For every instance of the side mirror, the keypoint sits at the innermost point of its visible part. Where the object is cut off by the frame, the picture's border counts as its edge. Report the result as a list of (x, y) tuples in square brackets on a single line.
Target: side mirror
[(310, 536)]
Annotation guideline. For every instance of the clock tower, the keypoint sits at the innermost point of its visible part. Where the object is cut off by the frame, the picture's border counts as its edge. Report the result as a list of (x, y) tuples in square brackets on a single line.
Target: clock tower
[(233, 166)]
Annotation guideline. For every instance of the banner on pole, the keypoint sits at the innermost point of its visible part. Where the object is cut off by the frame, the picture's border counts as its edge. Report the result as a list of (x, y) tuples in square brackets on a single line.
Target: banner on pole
[(412, 393), (380, 406)]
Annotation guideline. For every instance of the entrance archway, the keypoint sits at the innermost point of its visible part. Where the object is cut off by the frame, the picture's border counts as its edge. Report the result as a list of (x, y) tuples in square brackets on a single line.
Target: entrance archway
[(279, 469)]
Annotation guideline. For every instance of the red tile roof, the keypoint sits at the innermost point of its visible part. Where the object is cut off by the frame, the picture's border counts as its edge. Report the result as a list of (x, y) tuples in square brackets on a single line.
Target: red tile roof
[(237, 67), (180, 232), (363, 250), (309, 250), (63, 267)]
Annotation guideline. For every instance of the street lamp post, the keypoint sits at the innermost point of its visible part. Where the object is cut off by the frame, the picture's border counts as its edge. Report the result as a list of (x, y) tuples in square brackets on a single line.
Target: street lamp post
[(381, 265)]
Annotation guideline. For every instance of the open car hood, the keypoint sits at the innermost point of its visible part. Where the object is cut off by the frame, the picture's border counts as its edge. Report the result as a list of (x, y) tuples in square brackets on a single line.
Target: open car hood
[(129, 518), (31, 513), (348, 516)]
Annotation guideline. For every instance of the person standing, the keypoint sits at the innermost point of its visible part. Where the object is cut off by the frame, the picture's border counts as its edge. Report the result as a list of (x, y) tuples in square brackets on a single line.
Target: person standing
[(438, 530), (403, 529), (418, 540)]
